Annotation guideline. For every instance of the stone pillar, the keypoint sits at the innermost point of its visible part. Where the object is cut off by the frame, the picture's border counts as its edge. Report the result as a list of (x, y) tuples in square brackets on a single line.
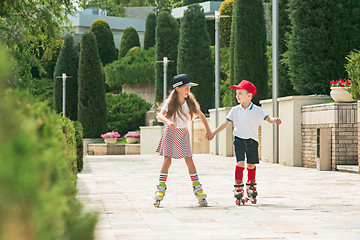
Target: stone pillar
[(225, 137), (149, 139)]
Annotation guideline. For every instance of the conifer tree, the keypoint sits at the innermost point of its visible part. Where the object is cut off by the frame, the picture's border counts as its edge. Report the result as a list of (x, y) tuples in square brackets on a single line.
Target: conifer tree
[(104, 40), (67, 62), (149, 36), (194, 55), (167, 40), (225, 23), (322, 35), (91, 106), (249, 46), (129, 39)]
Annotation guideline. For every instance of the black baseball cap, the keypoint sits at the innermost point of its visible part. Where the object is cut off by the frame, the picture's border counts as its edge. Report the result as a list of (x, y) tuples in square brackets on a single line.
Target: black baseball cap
[(181, 80)]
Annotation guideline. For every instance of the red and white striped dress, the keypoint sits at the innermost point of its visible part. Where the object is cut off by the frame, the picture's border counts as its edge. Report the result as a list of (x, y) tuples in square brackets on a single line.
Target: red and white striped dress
[(175, 143)]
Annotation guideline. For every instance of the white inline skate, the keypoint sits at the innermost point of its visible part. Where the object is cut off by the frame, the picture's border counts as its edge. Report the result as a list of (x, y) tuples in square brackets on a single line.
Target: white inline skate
[(251, 192), (239, 193), (199, 194), (159, 194)]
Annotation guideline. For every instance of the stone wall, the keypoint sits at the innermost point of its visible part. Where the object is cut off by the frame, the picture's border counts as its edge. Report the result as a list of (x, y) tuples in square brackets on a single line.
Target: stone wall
[(138, 12), (144, 90), (341, 118)]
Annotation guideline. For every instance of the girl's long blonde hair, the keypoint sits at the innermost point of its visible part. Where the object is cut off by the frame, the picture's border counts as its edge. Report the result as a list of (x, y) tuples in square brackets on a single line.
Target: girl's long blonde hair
[(175, 107)]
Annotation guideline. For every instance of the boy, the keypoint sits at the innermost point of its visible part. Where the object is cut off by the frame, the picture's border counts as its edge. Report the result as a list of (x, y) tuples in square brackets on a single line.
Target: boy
[(246, 117)]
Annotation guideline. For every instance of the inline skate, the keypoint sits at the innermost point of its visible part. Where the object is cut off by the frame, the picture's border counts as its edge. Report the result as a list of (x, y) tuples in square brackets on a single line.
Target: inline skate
[(251, 192), (199, 194), (239, 193), (160, 193)]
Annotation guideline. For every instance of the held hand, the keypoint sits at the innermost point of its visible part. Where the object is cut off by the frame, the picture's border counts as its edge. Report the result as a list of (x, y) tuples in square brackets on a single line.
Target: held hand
[(171, 125), (209, 136), (277, 121)]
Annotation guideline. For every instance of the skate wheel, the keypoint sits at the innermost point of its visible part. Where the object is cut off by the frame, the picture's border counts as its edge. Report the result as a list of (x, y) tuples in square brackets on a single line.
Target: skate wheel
[(157, 203), (254, 201), (238, 202), (203, 203)]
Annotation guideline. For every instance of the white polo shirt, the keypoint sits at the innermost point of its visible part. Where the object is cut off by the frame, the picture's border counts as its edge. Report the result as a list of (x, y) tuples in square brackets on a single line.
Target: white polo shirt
[(179, 122), (246, 120)]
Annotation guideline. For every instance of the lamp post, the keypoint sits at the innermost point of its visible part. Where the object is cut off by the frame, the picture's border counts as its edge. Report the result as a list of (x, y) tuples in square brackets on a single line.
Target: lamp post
[(217, 17), (165, 62), (275, 70), (64, 77)]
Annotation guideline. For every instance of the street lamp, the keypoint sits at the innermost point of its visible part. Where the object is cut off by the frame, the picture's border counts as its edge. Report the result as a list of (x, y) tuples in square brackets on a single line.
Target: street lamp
[(64, 77), (217, 17), (165, 62)]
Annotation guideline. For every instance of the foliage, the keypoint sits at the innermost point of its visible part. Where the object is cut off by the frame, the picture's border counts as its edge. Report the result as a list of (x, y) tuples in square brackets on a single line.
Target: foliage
[(91, 104), (48, 60), (194, 56), (225, 23), (126, 112), (28, 28), (163, 5), (321, 36), (353, 70), (135, 68), (129, 39), (167, 39), (149, 38), (249, 46), (37, 199), (104, 40), (114, 7), (67, 62), (79, 145)]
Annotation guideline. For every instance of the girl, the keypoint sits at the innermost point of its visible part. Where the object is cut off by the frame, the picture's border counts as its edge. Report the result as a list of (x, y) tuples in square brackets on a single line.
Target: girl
[(180, 108)]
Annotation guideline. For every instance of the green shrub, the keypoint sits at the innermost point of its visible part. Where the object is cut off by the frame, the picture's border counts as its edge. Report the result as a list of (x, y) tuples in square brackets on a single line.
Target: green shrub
[(249, 46), (129, 39), (353, 71), (37, 194), (225, 23), (137, 67), (48, 60), (42, 90), (104, 40), (67, 62), (91, 105), (79, 145), (167, 40), (321, 37), (149, 36), (126, 112), (194, 55)]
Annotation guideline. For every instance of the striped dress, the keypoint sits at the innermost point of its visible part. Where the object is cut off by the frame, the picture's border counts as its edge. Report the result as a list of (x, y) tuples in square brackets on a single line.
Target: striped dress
[(175, 143)]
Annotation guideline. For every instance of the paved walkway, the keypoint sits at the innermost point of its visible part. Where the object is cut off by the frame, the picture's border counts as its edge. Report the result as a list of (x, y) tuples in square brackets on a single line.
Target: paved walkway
[(293, 203)]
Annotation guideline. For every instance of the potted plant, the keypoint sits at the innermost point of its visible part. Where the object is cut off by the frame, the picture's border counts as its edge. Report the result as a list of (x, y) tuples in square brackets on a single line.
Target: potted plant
[(340, 90), (110, 137), (132, 137)]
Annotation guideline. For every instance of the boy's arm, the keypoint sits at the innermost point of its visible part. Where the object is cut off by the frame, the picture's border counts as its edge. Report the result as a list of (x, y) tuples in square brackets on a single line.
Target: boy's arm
[(273, 120), (161, 118), (222, 126)]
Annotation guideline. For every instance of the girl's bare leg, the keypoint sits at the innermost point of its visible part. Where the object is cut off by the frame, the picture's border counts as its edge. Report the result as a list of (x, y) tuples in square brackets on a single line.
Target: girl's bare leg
[(166, 165), (190, 164)]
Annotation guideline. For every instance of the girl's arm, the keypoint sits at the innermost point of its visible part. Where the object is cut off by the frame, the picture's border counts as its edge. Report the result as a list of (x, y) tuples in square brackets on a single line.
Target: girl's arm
[(203, 120), (273, 120), (161, 118)]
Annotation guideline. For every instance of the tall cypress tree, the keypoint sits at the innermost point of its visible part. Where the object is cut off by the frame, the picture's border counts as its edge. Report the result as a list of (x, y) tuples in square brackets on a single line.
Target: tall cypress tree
[(321, 37), (225, 23), (129, 39), (104, 40), (167, 40), (231, 64), (249, 46), (67, 62), (194, 56), (91, 107), (150, 26)]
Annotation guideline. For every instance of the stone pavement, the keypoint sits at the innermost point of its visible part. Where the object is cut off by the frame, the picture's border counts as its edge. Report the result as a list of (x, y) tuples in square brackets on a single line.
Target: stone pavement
[(293, 203)]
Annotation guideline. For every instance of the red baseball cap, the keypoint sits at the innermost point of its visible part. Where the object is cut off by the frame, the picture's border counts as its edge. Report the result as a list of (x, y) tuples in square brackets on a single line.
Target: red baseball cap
[(246, 85)]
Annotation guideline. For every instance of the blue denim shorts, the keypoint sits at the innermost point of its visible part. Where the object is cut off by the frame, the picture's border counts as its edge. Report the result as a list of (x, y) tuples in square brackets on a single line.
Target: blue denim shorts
[(248, 147)]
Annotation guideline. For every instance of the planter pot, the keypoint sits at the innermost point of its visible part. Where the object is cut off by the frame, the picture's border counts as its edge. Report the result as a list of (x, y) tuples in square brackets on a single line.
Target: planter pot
[(132, 140), (340, 94), (110, 140)]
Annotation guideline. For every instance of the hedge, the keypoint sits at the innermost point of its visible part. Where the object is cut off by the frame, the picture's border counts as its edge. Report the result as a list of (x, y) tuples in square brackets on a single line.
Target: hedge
[(353, 70), (137, 67)]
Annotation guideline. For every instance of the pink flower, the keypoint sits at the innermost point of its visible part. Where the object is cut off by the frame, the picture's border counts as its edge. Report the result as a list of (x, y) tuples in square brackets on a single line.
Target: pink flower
[(110, 135), (132, 135)]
